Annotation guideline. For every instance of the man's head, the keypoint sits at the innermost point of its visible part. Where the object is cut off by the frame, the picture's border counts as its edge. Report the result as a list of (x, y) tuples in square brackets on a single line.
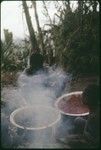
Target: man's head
[(36, 61), (91, 96)]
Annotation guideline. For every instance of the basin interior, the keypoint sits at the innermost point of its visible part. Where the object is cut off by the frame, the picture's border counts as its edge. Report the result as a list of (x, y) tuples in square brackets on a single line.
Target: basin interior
[(35, 117), (71, 104)]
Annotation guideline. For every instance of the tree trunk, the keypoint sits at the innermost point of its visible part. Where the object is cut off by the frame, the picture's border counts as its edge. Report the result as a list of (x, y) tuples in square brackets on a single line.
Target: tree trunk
[(80, 10), (38, 28), (50, 51), (94, 6), (47, 12), (34, 43)]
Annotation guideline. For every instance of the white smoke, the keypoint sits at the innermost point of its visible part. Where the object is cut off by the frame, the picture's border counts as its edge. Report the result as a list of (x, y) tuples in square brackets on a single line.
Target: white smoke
[(43, 88)]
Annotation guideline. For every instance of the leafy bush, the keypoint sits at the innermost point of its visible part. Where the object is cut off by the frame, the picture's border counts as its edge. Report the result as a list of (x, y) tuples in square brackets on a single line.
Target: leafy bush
[(77, 42), (13, 57)]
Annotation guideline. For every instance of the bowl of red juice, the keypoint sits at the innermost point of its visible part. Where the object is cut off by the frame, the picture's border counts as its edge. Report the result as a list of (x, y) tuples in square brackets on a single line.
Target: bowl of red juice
[(71, 104)]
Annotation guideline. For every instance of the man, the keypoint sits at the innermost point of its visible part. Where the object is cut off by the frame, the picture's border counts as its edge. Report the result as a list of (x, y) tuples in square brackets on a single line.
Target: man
[(92, 127), (87, 131), (36, 63)]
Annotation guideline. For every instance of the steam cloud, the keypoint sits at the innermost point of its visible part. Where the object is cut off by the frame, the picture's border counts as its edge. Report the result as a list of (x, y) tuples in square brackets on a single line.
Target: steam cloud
[(43, 88)]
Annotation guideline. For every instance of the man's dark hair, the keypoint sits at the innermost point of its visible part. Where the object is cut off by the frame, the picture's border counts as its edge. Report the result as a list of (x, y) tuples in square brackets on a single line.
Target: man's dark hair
[(91, 95), (36, 61)]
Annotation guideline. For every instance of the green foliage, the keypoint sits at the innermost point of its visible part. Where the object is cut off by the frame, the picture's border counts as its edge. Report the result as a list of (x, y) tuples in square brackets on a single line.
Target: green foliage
[(76, 40), (14, 57), (8, 36)]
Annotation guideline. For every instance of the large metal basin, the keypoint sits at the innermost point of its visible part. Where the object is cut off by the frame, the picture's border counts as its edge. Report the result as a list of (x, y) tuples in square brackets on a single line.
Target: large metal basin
[(66, 97), (41, 117)]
